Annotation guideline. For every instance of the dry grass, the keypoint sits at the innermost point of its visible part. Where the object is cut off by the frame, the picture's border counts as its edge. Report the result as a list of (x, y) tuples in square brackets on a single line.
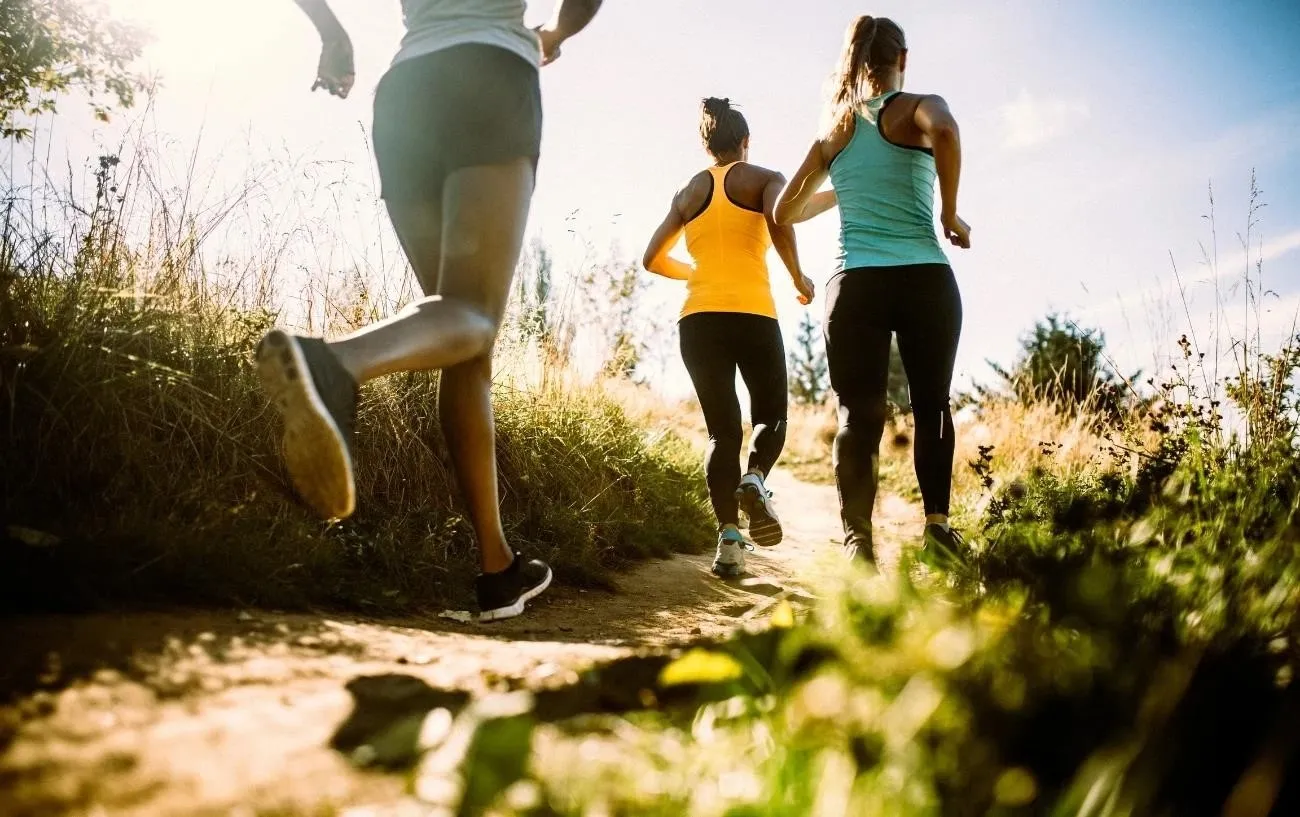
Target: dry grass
[(1024, 440), (138, 458), (808, 442)]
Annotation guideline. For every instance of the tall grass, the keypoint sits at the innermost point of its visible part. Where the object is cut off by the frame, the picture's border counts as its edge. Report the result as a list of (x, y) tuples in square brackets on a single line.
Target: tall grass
[(139, 461)]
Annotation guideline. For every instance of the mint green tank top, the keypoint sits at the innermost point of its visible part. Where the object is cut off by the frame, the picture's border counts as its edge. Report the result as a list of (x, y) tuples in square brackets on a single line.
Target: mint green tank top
[(886, 197)]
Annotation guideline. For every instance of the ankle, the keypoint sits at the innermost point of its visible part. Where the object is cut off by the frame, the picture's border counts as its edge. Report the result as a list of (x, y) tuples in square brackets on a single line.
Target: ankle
[(729, 526), (497, 560), (940, 519), (756, 472), (343, 354)]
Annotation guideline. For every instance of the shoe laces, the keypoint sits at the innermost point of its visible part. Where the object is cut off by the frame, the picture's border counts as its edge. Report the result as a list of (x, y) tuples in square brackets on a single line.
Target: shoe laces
[(742, 542)]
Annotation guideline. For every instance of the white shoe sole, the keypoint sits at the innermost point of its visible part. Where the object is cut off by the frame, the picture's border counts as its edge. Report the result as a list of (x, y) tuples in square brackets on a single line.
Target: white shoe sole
[(512, 610), (728, 571), (314, 448), (764, 528)]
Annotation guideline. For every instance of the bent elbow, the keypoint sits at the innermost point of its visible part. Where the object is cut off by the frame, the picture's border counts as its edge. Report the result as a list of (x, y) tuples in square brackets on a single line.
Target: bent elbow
[(945, 133)]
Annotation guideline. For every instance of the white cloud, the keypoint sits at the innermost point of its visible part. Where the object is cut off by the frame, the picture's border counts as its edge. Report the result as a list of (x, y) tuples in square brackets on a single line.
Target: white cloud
[(1029, 120)]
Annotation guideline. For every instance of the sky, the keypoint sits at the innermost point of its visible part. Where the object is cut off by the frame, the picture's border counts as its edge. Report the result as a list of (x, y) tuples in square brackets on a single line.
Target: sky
[(1092, 135)]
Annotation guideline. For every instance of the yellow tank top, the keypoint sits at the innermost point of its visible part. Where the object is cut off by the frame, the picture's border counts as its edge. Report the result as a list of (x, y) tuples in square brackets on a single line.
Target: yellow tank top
[(729, 246)]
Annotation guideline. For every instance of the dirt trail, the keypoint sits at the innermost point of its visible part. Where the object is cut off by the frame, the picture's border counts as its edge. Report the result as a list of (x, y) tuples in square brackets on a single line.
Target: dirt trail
[(232, 712)]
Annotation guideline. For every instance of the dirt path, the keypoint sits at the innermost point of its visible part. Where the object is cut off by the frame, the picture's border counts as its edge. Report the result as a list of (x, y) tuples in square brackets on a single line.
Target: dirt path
[(232, 712)]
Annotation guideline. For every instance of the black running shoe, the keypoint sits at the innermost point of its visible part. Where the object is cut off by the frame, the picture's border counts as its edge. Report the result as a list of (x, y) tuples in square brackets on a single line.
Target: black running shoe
[(503, 595), (318, 400), (756, 503), (942, 548), (858, 547)]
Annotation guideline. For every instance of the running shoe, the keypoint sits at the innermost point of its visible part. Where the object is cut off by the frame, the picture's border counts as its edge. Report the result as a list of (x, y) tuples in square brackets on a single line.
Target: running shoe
[(942, 548), (503, 595), (858, 547), (318, 400), (756, 503), (730, 559)]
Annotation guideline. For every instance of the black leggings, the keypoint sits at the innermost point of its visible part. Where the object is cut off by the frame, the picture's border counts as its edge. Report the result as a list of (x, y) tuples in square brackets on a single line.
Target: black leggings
[(714, 346), (921, 303)]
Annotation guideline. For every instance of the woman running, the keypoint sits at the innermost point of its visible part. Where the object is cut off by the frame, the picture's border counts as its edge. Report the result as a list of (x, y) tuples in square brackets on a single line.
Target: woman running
[(882, 150), (729, 321), (457, 127)]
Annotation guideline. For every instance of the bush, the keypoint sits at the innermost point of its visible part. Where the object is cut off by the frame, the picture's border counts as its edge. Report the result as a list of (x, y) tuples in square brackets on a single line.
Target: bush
[(1064, 364)]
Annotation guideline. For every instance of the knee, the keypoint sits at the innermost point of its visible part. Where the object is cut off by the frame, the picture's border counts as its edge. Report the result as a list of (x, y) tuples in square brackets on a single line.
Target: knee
[(930, 405), (473, 374), (773, 422), (476, 328), (863, 414), (726, 440)]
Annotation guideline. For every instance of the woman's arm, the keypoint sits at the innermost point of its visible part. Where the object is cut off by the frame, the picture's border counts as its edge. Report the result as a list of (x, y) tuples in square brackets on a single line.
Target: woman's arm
[(569, 17), (656, 258), (335, 71), (796, 200), (937, 123), (818, 203), (783, 240)]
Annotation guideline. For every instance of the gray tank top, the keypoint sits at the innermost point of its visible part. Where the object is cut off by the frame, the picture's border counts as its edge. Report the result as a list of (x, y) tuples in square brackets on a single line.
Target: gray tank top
[(435, 25)]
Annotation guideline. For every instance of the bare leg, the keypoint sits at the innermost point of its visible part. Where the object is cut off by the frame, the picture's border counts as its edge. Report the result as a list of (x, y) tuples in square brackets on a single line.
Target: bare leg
[(486, 211), (464, 250), (431, 333)]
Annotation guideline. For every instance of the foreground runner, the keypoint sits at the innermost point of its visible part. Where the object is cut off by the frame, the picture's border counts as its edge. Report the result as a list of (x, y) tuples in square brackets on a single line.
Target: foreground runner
[(882, 151), (457, 127), (729, 321)]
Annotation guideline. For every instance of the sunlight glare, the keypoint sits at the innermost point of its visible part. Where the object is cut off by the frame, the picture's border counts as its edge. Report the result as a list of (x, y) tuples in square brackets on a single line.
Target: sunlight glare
[(189, 38)]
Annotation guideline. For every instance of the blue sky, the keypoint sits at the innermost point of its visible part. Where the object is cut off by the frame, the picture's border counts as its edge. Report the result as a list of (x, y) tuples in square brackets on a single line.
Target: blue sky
[(1091, 134)]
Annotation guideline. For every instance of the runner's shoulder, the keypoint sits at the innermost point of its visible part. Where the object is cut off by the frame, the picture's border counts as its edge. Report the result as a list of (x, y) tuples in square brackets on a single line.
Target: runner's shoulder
[(934, 101), (837, 138), (757, 177), (695, 193)]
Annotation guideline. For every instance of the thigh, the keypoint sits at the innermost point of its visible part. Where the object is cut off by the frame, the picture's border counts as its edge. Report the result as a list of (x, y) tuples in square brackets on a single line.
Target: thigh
[(456, 137), (929, 333), (418, 224), (857, 335), (761, 359), (484, 212), (712, 367)]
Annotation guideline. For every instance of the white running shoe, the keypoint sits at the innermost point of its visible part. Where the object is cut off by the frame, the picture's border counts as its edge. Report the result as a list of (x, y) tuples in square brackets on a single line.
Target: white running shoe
[(730, 559), (756, 503)]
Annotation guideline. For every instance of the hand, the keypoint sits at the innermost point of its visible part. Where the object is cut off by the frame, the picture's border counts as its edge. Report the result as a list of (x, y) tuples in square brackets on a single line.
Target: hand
[(550, 40), (336, 73), (956, 230), (807, 289)]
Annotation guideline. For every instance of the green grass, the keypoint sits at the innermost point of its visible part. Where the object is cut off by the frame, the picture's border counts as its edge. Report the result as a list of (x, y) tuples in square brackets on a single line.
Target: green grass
[(1122, 642), (1119, 645), (135, 443)]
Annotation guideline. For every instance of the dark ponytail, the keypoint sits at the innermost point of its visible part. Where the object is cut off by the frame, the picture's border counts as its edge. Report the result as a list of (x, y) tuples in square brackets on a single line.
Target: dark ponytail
[(722, 127)]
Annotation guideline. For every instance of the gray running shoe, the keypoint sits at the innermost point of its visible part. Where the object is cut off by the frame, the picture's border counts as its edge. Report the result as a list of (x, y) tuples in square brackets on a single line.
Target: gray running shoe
[(756, 503), (318, 400)]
